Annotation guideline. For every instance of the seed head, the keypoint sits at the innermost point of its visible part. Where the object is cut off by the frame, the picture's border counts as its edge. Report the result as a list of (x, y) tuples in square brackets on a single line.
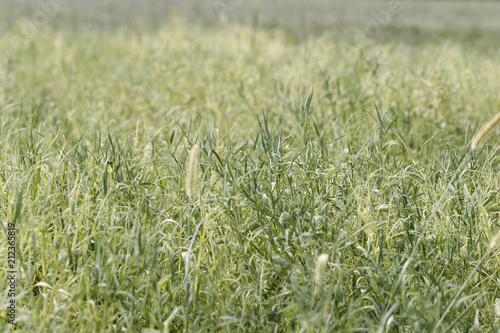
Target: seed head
[(485, 132), (318, 272), (191, 169), (495, 242)]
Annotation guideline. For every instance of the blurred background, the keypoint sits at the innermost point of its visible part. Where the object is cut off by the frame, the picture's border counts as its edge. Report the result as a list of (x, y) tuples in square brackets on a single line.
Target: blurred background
[(294, 13)]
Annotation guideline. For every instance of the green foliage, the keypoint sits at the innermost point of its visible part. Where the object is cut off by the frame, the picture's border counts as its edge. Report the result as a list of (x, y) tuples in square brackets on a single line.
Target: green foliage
[(323, 146)]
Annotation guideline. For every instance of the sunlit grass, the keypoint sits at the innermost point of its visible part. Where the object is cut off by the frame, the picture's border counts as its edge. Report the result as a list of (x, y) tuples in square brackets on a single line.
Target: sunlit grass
[(320, 148)]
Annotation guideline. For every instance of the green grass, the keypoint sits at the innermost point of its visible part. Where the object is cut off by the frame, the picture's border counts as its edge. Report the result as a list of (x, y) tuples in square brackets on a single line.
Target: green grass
[(318, 146)]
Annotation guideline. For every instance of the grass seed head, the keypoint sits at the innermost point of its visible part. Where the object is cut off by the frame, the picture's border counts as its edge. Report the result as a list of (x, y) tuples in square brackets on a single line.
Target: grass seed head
[(191, 170), (497, 307), (485, 132), (318, 272), (495, 242)]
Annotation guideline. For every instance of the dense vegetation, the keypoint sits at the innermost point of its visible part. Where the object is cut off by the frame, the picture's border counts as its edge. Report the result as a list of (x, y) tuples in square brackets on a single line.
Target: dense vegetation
[(323, 144)]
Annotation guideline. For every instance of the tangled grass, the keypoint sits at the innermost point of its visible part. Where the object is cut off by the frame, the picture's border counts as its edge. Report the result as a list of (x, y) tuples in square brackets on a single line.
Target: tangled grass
[(320, 150)]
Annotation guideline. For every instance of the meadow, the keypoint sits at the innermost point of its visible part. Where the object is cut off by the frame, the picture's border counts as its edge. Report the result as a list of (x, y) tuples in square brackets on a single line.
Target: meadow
[(310, 144)]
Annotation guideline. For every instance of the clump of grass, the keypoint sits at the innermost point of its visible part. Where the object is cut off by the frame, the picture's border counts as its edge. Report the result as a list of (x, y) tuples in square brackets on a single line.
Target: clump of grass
[(485, 132)]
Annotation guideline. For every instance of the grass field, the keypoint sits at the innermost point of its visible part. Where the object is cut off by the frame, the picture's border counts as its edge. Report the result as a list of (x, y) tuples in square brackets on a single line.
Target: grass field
[(309, 144)]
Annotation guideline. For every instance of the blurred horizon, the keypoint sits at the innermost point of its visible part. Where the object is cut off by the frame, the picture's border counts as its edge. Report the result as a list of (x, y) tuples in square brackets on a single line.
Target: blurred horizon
[(428, 14)]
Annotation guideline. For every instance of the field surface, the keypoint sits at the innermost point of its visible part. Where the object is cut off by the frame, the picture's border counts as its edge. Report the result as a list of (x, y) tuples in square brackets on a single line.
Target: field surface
[(333, 188)]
